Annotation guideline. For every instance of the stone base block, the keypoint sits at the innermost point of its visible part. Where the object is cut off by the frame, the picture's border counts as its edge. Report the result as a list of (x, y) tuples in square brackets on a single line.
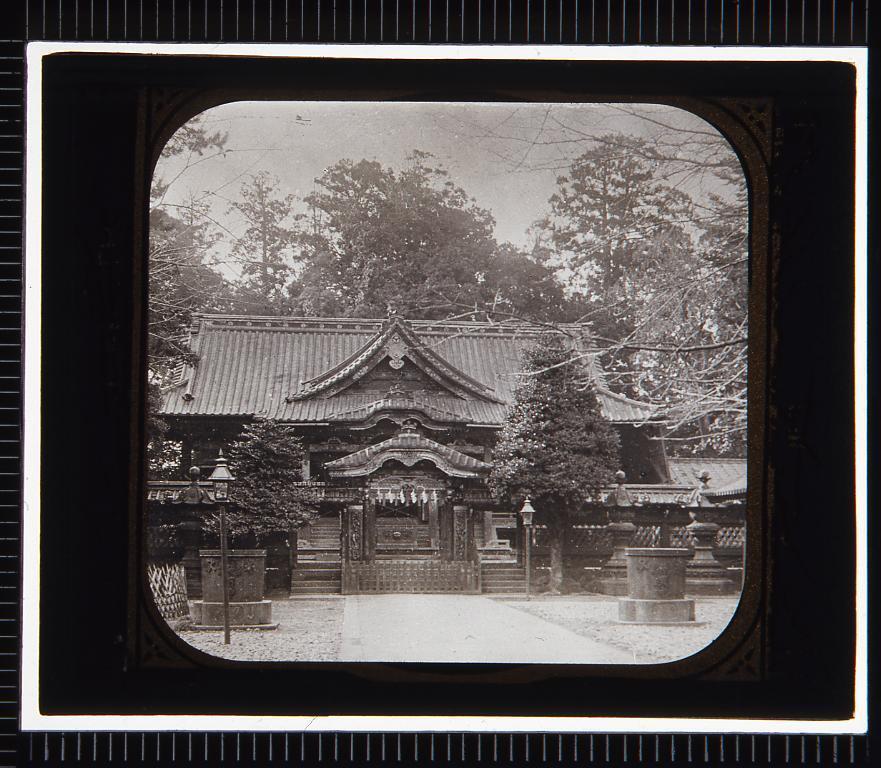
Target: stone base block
[(616, 587), (256, 615), (709, 587), (632, 611), (735, 573)]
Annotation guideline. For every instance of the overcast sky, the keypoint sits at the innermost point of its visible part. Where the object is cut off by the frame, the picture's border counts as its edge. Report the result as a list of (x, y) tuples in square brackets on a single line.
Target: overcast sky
[(505, 155)]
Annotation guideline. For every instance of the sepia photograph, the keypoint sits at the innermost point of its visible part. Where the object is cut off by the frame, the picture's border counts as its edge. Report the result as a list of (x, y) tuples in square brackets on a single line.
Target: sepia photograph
[(447, 382)]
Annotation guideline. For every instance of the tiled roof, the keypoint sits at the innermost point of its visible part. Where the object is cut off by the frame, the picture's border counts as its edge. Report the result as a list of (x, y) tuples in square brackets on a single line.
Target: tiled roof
[(723, 472), (395, 341), (250, 366), (408, 447), (732, 490)]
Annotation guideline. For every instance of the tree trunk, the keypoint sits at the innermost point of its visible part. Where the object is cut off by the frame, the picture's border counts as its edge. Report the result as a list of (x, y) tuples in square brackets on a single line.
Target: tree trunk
[(556, 577)]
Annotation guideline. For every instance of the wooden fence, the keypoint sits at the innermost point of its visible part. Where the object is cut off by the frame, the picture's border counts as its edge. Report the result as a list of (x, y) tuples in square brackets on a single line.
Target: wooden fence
[(168, 584), (414, 576)]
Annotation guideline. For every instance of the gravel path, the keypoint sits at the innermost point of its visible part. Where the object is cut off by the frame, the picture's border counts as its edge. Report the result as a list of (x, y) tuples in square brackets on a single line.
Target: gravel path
[(308, 630), (312, 629), (596, 618), (461, 629)]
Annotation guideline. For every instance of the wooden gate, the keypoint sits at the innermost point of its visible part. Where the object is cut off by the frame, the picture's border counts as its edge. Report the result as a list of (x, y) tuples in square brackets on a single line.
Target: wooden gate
[(406, 564), (412, 576)]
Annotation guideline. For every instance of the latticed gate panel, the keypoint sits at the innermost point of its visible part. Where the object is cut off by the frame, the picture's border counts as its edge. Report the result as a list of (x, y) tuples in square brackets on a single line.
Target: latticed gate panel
[(168, 584), (411, 576)]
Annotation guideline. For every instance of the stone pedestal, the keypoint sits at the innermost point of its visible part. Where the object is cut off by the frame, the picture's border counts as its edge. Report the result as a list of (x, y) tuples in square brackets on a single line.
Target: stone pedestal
[(612, 578), (704, 574), (191, 538), (246, 579), (735, 573), (254, 615), (656, 582)]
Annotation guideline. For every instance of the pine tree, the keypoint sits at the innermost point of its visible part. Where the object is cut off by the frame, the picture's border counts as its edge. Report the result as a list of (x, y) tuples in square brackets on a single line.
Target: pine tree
[(555, 446), (267, 463), (265, 248)]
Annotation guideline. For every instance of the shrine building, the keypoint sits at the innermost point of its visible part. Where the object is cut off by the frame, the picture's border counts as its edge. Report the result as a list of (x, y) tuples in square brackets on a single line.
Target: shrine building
[(398, 419)]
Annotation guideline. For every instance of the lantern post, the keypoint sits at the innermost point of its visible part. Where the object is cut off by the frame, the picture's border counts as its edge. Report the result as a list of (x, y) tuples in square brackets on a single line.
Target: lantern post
[(526, 513), (222, 480)]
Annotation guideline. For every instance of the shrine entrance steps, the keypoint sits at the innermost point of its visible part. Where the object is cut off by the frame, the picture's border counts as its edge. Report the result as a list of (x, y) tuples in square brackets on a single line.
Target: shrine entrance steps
[(325, 578), (318, 548), (316, 578), (503, 578)]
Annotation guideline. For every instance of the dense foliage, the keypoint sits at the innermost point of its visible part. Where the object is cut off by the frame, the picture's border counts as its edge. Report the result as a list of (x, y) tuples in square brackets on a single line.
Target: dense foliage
[(375, 239), (163, 455), (181, 281), (664, 278), (555, 446), (267, 463)]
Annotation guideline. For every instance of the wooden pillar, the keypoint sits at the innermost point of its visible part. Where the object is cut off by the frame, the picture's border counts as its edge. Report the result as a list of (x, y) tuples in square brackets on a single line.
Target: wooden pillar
[(352, 545), (489, 531), (433, 526), (445, 529), (460, 532), (369, 539)]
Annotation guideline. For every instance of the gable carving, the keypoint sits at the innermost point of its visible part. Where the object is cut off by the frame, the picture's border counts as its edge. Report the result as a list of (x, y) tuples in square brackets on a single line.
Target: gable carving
[(395, 346)]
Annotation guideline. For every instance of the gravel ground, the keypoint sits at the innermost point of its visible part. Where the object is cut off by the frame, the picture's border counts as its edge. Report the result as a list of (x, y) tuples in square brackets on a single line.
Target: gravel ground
[(596, 618), (308, 630)]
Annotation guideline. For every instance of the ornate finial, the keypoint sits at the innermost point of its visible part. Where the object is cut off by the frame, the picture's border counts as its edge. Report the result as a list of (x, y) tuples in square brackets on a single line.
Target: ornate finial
[(409, 426), (193, 494), (704, 477), (620, 496)]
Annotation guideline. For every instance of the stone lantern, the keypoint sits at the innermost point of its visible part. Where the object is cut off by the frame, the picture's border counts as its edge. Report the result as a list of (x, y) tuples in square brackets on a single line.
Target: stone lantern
[(613, 576), (705, 575), (526, 515), (233, 580)]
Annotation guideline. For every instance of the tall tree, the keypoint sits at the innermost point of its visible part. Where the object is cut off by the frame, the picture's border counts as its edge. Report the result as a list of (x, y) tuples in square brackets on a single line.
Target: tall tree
[(555, 446), (375, 238), (180, 282), (182, 234), (664, 278), (265, 250), (607, 207)]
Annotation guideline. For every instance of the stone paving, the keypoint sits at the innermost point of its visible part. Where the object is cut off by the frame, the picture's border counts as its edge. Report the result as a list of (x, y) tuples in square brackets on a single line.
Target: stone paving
[(460, 628)]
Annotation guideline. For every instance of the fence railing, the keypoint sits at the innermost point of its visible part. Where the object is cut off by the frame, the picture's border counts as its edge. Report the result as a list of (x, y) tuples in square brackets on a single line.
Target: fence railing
[(655, 525), (168, 584), (411, 576)]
